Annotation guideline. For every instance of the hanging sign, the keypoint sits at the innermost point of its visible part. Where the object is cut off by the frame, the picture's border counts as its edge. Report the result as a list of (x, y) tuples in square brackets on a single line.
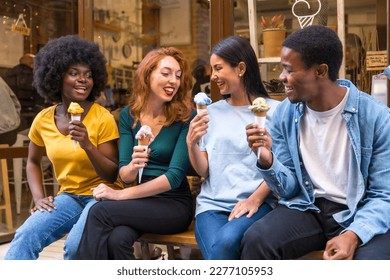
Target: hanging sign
[(376, 60), (20, 26), (303, 12)]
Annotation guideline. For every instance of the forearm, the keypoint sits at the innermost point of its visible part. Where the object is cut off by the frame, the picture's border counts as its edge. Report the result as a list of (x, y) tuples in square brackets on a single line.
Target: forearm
[(128, 173), (106, 167), (199, 161), (260, 194), (280, 179), (147, 189), (34, 177)]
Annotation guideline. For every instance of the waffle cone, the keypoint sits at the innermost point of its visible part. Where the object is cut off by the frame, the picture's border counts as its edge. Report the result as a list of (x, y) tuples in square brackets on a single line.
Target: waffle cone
[(200, 107), (261, 114), (144, 141)]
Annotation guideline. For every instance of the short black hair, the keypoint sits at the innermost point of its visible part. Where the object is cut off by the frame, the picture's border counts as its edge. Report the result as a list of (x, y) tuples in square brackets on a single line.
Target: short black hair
[(55, 58), (236, 49), (317, 44)]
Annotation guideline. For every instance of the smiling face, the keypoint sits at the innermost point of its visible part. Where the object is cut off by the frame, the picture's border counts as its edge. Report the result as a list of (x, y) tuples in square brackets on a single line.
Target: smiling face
[(300, 82), (78, 82), (225, 76), (165, 79)]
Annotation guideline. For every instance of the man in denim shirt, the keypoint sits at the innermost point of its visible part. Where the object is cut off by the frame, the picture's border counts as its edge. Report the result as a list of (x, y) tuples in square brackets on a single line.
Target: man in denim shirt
[(330, 163)]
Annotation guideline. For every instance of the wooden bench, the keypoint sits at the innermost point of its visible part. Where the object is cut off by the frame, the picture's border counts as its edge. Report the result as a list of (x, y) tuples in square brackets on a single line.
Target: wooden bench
[(187, 239), (182, 239)]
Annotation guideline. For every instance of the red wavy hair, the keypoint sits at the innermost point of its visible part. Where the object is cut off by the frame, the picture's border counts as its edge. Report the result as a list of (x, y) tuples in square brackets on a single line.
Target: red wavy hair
[(180, 108)]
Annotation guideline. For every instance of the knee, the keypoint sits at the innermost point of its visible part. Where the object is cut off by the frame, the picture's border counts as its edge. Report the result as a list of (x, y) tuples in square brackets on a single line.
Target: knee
[(227, 239), (96, 210), (115, 244), (122, 237)]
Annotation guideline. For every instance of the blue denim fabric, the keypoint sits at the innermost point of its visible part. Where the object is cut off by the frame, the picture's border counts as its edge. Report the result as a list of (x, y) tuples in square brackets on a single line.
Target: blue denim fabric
[(74, 236), (219, 239), (43, 228), (368, 190)]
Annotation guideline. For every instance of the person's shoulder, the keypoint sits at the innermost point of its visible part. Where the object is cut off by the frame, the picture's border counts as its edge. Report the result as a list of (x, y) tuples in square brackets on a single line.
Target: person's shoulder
[(125, 118), (45, 116), (273, 102), (371, 106), (21, 69), (125, 112), (217, 104), (362, 101), (47, 112), (99, 108)]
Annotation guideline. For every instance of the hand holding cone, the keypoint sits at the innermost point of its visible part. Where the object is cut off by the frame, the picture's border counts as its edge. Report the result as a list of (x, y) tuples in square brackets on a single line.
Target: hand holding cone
[(201, 100), (145, 137), (259, 108), (75, 111)]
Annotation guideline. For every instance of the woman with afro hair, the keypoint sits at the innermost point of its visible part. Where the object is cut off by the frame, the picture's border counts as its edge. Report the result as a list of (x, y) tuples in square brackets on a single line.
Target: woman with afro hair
[(68, 69)]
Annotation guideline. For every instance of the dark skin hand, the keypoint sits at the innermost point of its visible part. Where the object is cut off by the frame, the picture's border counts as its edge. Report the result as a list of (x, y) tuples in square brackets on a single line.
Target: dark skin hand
[(78, 132), (260, 138), (342, 247), (43, 204)]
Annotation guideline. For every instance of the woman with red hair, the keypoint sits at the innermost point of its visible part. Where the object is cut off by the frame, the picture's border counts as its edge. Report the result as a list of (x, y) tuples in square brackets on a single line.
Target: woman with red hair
[(161, 203)]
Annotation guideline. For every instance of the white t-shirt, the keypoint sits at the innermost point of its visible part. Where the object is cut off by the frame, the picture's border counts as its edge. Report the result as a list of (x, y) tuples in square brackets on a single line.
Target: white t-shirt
[(325, 148)]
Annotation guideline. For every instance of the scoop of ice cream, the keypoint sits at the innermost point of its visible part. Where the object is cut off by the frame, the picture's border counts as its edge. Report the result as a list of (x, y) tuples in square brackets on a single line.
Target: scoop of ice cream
[(201, 98), (259, 105), (144, 133), (75, 109)]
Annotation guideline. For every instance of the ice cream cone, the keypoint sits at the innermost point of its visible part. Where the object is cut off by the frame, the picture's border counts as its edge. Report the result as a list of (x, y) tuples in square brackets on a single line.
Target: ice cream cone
[(305, 21), (201, 100), (144, 141), (260, 121), (145, 137), (260, 114), (259, 108), (75, 111), (141, 170), (75, 118), (200, 108)]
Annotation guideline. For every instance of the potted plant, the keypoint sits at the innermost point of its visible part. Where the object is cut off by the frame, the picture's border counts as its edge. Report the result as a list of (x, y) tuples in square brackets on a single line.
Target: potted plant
[(274, 22), (274, 33)]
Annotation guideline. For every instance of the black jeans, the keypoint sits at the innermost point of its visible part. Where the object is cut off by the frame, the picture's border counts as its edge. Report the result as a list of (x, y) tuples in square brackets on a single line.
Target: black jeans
[(112, 227), (289, 234)]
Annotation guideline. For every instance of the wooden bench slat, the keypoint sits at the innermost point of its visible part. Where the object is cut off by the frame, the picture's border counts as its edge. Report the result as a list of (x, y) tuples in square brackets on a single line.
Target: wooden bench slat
[(182, 239), (177, 239)]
